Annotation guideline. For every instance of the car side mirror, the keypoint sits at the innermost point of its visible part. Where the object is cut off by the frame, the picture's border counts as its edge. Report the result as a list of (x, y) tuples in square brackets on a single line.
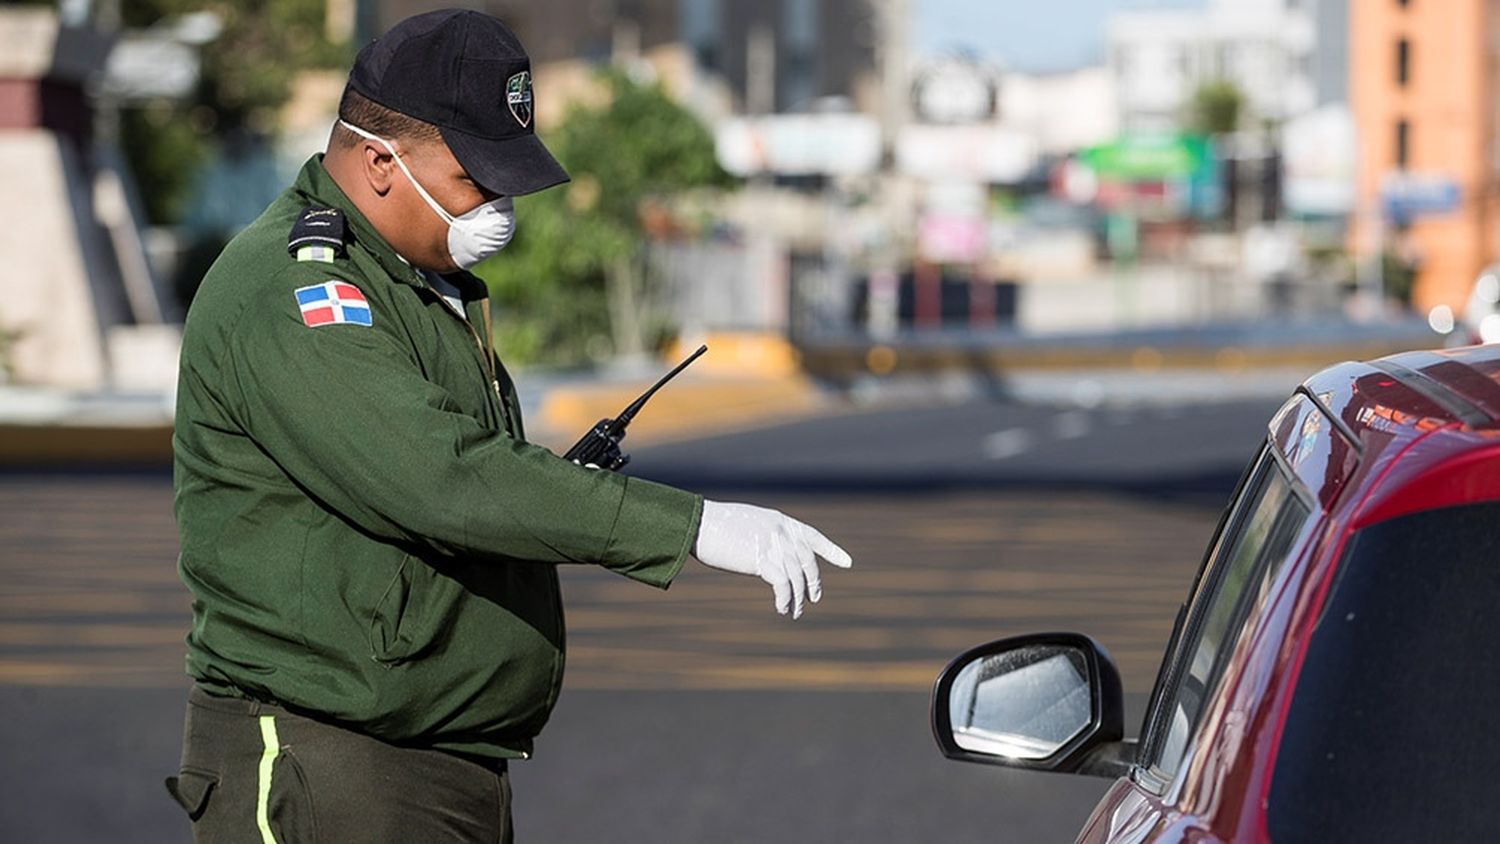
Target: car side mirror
[(1047, 701)]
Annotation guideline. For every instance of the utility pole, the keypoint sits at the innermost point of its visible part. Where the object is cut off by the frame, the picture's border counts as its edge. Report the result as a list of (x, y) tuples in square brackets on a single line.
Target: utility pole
[(892, 63), (625, 39), (339, 21), (893, 60), (760, 70)]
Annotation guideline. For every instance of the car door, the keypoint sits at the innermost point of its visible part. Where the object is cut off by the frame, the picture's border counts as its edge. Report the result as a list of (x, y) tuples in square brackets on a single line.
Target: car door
[(1258, 535)]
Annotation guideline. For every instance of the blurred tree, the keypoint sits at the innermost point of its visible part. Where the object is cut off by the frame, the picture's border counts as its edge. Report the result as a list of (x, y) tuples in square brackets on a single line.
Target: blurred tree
[(1398, 275), (165, 153), (10, 335), (1215, 108), (246, 76), (572, 286)]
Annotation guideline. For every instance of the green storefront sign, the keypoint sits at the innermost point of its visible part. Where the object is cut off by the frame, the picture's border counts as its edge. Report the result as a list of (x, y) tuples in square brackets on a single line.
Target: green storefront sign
[(1148, 158)]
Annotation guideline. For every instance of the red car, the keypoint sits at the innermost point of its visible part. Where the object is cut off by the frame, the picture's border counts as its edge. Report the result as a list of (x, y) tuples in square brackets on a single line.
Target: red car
[(1334, 674)]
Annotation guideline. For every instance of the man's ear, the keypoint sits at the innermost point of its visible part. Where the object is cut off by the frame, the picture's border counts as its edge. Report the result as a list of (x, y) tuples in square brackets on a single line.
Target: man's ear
[(379, 166)]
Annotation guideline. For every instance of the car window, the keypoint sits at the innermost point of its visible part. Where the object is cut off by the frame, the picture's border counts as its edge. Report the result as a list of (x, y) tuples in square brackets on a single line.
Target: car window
[(1391, 735), (1252, 549)]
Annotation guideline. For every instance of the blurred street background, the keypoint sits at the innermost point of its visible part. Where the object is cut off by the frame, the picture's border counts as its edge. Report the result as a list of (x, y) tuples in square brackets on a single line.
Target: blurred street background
[(1000, 295)]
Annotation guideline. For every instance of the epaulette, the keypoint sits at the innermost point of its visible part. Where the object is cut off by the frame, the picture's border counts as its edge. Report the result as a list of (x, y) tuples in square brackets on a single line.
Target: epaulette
[(318, 235)]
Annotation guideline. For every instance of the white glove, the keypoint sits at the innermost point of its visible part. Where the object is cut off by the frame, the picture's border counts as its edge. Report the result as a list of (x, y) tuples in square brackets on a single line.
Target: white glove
[(782, 551)]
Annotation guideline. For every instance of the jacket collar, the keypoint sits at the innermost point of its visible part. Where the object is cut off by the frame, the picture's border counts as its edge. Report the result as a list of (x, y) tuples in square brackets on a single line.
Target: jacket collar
[(317, 187)]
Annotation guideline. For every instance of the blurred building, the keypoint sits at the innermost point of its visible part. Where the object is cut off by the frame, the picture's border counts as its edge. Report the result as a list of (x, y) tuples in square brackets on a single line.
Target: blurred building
[(1330, 57), (719, 56), (554, 31), (1064, 112), (79, 308), (1160, 57), (1423, 85)]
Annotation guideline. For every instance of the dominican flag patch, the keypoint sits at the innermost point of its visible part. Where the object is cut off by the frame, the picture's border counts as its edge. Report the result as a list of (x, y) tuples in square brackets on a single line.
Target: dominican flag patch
[(331, 303)]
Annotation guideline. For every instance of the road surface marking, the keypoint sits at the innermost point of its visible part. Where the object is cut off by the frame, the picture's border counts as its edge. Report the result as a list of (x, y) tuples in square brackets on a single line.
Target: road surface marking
[(1008, 443), (1071, 425)]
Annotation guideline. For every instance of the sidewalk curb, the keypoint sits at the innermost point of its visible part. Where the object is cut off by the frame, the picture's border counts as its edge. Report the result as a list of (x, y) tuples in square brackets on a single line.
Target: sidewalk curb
[(36, 445), (689, 408), (709, 403), (880, 360)]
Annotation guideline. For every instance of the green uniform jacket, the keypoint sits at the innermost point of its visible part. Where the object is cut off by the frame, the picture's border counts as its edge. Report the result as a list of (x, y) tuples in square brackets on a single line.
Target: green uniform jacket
[(366, 532)]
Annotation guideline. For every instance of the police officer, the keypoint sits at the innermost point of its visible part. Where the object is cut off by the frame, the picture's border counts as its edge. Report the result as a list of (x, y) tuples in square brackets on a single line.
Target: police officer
[(370, 540)]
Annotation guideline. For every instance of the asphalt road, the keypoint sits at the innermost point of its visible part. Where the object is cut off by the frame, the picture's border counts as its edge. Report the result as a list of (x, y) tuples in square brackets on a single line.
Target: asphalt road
[(697, 714)]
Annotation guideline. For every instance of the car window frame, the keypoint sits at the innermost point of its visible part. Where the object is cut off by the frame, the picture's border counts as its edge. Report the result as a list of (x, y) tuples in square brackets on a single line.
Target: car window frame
[(1175, 637), (1230, 522), (1202, 596)]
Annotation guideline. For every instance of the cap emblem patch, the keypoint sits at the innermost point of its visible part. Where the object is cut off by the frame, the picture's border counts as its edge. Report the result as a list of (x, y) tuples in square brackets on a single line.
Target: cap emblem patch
[(518, 96)]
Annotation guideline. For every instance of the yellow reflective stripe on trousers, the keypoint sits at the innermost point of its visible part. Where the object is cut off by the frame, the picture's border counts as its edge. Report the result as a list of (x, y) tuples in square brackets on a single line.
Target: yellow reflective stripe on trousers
[(267, 762)]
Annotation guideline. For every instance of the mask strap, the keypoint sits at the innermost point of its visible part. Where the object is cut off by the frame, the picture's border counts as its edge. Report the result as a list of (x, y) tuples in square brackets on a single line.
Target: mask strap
[(449, 218)]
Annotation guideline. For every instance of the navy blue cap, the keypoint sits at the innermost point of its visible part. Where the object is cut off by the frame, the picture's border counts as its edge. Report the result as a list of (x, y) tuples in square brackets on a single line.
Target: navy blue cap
[(467, 74)]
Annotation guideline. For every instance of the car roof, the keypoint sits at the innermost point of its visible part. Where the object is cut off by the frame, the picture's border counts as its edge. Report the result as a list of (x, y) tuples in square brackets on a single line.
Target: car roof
[(1461, 381), (1449, 400)]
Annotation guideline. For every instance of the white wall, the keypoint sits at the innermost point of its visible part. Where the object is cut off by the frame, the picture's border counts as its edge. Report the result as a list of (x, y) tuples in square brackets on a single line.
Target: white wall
[(1062, 112), (45, 290)]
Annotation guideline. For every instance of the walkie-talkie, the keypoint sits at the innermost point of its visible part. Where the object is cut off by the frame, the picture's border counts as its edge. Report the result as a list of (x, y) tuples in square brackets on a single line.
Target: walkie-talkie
[(601, 445)]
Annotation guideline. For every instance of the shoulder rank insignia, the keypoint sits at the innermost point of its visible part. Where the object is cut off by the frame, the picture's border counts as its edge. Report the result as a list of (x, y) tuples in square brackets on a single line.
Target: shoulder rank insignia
[(318, 235), (333, 302)]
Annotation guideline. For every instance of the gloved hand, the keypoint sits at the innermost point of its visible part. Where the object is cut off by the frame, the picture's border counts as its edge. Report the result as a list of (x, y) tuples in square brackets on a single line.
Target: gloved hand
[(782, 551)]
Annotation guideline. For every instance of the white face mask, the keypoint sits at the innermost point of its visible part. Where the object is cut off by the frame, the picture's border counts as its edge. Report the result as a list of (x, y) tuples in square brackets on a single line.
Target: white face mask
[(472, 236)]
